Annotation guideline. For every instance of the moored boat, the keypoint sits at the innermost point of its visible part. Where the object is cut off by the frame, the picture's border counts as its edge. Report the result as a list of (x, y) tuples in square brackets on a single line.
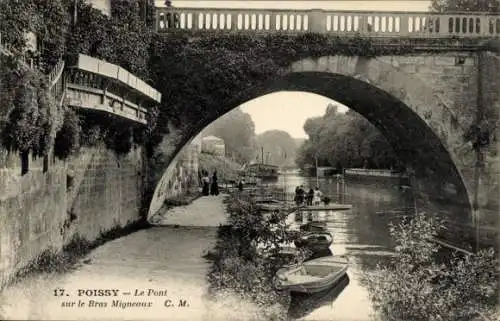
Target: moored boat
[(311, 276), (269, 207), (265, 172), (315, 241), (327, 207), (314, 227)]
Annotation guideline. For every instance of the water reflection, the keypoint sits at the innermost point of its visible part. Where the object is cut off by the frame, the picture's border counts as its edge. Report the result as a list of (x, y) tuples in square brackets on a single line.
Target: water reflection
[(361, 234), (303, 304)]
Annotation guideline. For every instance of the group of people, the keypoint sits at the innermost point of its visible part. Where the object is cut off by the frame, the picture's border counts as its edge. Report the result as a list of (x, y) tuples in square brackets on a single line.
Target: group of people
[(209, 187), (312, 197)]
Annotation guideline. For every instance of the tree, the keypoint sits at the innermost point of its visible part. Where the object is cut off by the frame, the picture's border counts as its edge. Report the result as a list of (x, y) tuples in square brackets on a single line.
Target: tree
[(465, 5), (279, 148), (237, 130), (345, 140)]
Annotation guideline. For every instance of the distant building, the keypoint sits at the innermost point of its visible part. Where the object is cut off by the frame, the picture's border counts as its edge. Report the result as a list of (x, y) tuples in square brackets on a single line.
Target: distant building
[(213, 145), (325, 171)]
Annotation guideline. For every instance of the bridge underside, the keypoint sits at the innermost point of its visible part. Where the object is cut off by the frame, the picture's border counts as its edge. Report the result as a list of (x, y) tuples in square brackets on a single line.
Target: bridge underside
[(412, 139)]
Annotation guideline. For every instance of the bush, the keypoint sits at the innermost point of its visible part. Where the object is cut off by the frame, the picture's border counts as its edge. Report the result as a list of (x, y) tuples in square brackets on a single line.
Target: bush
[(243, 262), (31, 117), (414, 286), (68, 138)]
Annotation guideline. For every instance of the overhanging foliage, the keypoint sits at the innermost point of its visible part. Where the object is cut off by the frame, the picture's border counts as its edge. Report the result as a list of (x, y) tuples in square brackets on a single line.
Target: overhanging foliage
[(30, 119)]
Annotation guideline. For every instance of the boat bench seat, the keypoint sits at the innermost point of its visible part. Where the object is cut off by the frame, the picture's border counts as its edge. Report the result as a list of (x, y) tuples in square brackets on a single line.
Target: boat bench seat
[(295, 278), (320, 271)]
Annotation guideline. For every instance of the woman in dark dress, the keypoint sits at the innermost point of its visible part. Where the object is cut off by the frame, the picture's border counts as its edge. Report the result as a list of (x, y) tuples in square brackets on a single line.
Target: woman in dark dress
[(309, 197), (300, 196), (214, 190), (206, 183)]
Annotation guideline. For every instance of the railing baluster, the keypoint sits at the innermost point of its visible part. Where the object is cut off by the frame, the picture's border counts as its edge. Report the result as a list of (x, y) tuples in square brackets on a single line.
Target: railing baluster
[(383, 24)]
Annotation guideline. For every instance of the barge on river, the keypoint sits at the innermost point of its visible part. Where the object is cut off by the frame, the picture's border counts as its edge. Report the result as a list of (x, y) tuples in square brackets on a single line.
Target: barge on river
[(265, 172)]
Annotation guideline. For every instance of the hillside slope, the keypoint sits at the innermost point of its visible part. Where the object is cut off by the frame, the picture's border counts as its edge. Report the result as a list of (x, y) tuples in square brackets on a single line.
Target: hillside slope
[(226, 168)]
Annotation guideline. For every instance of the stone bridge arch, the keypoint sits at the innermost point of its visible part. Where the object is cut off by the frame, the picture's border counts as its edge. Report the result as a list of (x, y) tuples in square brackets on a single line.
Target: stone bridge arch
[(403, 96)]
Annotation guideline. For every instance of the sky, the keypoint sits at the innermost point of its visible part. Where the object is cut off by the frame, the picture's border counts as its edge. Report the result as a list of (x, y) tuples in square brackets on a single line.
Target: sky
[(289, 110)]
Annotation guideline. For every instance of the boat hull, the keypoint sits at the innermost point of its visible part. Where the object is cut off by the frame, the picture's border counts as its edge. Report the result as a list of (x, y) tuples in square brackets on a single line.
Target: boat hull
[(315, 242), (314, 286), (314, 227), (305, 288)]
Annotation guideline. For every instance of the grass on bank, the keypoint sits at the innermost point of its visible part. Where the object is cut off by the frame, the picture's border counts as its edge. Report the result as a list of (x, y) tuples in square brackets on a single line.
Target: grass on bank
[(52, 261), (227, 169), (243, 264)]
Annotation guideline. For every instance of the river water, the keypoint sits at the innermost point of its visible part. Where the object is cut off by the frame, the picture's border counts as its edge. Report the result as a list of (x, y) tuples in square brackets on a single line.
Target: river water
[(361, 234)]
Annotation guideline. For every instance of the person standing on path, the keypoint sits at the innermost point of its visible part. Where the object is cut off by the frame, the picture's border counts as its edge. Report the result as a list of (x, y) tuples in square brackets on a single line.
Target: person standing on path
[(214, 190), (296, 198), (317, 196), (206, 183), (309, 197), (300, 193)]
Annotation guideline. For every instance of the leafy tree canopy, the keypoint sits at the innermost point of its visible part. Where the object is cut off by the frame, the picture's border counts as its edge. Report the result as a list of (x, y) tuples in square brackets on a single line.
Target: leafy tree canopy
[(237, 129), (278, 146), (344, 140), (465, 5)]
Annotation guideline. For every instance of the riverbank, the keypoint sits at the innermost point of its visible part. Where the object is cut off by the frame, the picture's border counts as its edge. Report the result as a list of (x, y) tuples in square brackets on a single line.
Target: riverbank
[(227, 170), (64, 260)]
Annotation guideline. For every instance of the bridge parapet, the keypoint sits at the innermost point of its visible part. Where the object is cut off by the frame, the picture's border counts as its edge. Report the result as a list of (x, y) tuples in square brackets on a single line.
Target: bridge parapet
[(98, 85), (345, 23)]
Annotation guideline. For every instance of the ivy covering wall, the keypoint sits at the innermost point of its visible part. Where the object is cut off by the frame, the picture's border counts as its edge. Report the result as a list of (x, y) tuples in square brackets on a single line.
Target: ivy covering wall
[(29, 116), (198, 74)]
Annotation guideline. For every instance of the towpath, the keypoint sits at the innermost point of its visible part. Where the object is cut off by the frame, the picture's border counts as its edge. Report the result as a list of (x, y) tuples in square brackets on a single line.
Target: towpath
[(165, 262)]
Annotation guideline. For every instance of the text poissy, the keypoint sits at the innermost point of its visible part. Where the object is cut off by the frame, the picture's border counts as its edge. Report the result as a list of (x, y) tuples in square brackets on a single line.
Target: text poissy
[(98, 292)]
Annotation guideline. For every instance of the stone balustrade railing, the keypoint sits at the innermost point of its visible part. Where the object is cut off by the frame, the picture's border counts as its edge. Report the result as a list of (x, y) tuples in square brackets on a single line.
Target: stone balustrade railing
[(369, 24)]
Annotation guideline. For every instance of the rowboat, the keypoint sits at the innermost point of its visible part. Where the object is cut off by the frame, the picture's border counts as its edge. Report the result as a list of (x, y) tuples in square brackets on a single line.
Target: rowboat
[(287, 255), (271, 205), (311, 276), (314, 227), (315, 241)]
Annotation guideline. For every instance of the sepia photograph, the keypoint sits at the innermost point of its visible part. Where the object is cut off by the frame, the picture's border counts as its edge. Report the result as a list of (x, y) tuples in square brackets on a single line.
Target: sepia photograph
[(250, 160)]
